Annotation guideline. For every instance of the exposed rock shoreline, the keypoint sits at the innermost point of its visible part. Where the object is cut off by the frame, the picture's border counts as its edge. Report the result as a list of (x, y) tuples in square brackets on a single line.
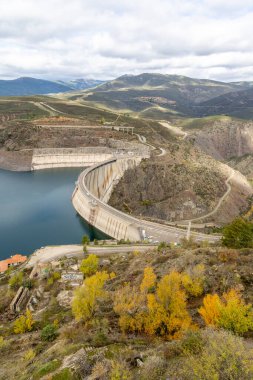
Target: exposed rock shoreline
[(16, 161)]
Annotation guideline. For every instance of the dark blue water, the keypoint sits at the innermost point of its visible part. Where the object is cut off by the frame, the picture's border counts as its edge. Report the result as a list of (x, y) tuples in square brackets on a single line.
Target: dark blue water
[(36, 210)]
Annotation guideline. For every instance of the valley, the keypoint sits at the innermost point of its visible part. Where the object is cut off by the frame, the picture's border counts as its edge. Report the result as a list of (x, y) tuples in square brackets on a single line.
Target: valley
[(154, 188)]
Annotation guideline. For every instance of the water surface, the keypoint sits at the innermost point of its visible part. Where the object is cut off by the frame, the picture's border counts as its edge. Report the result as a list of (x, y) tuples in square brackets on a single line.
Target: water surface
[(36, 210)]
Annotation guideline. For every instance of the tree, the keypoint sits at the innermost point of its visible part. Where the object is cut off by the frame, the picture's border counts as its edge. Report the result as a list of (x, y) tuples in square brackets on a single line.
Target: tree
[(238, 234), (162, 312), (149, 279), (210, 311), (235, 315), (128, 303), (85, 240), (89, 265), (85, 298), (229, 312), (24, 323), (168, 315), (194, 282)]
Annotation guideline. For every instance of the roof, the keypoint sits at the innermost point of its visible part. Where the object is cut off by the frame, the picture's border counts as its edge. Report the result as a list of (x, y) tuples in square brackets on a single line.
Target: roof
[(13, 260)]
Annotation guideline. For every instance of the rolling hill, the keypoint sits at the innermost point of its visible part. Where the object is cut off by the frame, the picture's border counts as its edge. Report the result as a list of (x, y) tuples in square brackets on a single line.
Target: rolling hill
[(235, 103), (160, 96)]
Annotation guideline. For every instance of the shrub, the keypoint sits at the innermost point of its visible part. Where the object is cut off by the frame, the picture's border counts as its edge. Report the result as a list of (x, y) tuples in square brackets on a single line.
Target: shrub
[(55, 276), (29, 355), (119, 371), (153, 368), (238, 234), (49, 333), (46, 368), (28, 283), (3, 343), (64, 374), (223, 357), (100, 370), (16, 280), (89, 265), (24, 323), (162, 246), (192, 342)]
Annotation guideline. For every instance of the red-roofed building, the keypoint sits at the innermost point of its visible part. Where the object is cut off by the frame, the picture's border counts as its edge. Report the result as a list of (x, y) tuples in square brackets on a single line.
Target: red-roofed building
[(12, 261)]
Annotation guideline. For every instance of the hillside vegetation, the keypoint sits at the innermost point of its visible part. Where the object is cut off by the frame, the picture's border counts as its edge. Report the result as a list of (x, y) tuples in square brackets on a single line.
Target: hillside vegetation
[(168, 97), (152, 315)]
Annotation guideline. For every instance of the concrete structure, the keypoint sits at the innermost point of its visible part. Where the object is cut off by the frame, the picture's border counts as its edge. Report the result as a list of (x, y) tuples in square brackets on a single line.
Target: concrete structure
[(68, 157), (92, 193)]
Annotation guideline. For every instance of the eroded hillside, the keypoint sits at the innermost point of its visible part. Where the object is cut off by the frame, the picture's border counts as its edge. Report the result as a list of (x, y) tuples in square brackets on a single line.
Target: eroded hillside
[(182, 184), (225, 138)]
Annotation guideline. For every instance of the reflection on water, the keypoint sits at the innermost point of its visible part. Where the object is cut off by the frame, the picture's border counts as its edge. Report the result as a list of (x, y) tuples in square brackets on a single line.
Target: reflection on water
[(36, 210)]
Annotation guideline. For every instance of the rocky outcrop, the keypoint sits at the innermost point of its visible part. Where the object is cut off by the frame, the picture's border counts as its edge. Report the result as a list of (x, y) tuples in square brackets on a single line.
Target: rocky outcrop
[(226, 139)]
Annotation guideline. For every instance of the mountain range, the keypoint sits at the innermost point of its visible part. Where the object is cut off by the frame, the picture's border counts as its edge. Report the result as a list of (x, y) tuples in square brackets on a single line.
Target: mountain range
[(32, 86), (154, 96), (160, 96)]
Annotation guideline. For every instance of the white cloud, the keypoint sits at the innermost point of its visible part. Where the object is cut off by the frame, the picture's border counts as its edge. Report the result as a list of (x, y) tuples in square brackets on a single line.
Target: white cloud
[(56, 39)]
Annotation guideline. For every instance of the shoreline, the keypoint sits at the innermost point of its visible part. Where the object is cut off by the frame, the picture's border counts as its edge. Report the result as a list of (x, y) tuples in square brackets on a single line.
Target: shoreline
[(16, 161)]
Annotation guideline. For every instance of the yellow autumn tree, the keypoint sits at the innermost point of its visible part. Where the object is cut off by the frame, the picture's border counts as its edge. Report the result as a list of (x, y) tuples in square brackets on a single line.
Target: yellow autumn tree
[(128, 302), (193, 281), (229, 312), (85, 298), (89, 265), (235, 315), (210, 311), (149, 280), (162, 312), (24, 323), (171, 317)]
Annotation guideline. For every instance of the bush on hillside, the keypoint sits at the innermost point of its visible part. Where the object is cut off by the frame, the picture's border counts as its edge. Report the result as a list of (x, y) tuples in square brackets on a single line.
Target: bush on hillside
[(238, 234)]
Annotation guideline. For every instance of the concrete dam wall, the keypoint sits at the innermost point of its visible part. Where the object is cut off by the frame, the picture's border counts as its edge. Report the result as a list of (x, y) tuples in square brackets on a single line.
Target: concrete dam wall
[(90, 197), (68, 157), (92, 193)]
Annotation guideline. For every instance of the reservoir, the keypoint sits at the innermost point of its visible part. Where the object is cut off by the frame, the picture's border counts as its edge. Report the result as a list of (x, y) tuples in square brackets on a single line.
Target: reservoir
[(36, 210)]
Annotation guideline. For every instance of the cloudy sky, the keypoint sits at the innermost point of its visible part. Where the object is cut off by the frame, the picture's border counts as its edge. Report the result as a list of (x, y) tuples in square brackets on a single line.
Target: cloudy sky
[(60, 39)]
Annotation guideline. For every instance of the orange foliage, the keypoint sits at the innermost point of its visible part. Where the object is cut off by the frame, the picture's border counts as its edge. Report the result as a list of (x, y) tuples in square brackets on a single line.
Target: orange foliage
[(162, 313), (210, 311), (230, 312)]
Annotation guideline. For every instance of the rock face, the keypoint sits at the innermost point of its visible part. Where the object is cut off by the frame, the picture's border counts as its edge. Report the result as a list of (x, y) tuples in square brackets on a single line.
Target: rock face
[(65, 298), (226, 139), (244, 164), (170, 192), (78, 362)]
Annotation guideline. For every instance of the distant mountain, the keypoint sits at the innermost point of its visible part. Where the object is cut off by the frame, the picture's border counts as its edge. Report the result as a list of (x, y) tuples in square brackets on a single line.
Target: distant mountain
[(82, 84), (30, 86), (158, 96)]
